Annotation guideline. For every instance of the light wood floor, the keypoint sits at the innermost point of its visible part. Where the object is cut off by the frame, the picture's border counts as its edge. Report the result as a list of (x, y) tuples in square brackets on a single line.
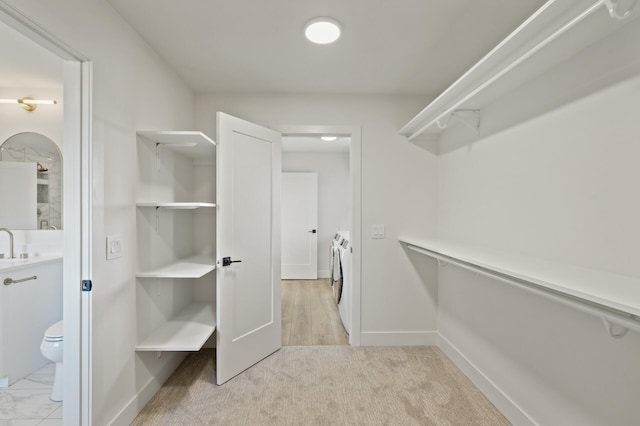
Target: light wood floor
[(309, 314)]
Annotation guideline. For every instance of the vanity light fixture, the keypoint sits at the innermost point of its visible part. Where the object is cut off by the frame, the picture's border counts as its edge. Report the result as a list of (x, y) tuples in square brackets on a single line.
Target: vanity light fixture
[(28, 103), (322, 30), (328, 138)]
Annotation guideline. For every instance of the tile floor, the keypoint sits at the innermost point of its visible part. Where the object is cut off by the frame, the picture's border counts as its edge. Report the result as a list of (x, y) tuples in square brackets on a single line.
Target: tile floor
[(27, 402)]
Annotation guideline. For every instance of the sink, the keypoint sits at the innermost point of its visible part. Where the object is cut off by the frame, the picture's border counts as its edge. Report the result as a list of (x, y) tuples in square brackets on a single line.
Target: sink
[(11, 264)]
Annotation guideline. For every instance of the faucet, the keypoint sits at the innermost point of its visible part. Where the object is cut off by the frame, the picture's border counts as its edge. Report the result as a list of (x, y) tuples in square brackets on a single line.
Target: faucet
[(11, 255)]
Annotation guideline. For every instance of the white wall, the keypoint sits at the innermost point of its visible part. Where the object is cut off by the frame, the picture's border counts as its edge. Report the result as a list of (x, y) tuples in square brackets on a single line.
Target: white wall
[(561, 186), (398, 189), (133, 89), (334, 195)]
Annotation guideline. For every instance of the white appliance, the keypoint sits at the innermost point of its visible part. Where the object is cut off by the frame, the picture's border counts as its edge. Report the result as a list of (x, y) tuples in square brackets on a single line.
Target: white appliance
[(341, 275)]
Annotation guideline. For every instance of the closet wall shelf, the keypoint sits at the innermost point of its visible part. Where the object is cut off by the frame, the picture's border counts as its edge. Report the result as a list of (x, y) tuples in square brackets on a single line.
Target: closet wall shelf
[(500, 70), (187, 331), (191, 267), (614, 298), (177, 206)]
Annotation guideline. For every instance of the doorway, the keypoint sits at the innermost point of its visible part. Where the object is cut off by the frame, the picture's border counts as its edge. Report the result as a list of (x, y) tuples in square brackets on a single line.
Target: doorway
[(62, 223), (317, 218)]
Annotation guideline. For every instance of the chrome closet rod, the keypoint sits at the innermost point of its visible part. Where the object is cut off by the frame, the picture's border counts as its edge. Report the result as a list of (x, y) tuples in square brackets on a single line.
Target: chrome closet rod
[(609, 315)]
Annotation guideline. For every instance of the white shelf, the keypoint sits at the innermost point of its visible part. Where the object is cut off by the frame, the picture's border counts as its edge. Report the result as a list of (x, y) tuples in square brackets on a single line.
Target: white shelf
[(191, 267), (177, 206), (187, 331), (591, 286), (191, 144), (554, 33)]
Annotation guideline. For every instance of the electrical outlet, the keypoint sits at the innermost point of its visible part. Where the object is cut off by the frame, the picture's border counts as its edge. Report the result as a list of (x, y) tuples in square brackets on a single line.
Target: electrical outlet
[(114, 246)]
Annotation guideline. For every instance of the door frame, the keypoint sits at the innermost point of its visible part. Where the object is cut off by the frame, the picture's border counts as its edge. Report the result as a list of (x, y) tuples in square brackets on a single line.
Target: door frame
[(77, 187), (355, 171)]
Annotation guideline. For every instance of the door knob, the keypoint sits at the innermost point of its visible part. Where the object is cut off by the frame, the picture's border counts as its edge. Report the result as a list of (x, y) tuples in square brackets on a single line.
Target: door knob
[(226, 261), (313, 231)]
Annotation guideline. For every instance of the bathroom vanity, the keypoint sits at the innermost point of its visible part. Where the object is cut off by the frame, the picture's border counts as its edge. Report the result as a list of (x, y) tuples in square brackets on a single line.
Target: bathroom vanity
[(30, 301)]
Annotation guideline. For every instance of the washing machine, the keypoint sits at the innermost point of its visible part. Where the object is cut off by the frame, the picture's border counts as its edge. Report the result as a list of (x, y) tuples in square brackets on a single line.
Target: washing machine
[(341, 275)]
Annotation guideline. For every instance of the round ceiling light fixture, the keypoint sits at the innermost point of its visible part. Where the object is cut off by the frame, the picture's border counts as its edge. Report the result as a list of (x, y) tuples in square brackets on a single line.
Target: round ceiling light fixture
[(322, 30), (328, 138)]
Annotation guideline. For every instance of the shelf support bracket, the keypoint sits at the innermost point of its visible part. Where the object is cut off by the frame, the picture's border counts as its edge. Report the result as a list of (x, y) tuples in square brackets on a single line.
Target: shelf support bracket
[(158, 156), (615, 330), (612, 7), (470, 118), (157, 219)]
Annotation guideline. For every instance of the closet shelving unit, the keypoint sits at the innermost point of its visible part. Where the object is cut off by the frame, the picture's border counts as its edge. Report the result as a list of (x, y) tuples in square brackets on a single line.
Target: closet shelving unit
[(615, 298), (547, 38), (190, 327)]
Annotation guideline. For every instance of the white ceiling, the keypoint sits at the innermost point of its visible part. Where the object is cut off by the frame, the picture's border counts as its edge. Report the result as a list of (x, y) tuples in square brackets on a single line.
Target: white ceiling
[(25, 64), (315, 144), (388, 46)]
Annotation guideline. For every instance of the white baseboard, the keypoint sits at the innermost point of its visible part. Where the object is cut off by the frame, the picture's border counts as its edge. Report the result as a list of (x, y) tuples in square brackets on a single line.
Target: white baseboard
[(324, 273), (501, 400), (398, 338), (137, 403)]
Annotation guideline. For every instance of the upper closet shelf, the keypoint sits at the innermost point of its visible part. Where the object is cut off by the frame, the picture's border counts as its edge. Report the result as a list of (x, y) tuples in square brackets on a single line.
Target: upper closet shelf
[(613, 297), (555, 32), (192, 144)]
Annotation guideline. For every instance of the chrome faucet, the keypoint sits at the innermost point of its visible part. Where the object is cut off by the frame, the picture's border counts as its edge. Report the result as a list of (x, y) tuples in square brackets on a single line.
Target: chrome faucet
[(11, 255)]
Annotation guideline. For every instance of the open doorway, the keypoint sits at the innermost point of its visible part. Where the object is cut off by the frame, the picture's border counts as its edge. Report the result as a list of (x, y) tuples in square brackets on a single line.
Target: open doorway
[(316, 239), (46, 138)]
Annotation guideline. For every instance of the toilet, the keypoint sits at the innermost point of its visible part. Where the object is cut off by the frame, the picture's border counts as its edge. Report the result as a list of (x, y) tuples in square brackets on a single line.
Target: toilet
[(51, 348)]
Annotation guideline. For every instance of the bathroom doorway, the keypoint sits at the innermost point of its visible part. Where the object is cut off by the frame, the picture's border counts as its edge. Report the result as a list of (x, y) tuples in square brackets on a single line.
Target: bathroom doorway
[(320, 265), (57, 79)]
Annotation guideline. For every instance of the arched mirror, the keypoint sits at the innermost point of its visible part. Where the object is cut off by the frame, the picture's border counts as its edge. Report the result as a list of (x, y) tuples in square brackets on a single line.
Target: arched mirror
[(30, 182)]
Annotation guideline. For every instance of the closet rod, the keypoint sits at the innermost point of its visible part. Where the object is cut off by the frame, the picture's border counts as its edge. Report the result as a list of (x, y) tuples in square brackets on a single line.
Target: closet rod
[(535, 49), (610, 317)]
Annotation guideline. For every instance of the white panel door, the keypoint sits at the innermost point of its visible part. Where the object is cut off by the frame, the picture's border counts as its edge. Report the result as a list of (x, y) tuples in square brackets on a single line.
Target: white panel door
[(299, 226), (248, 234)]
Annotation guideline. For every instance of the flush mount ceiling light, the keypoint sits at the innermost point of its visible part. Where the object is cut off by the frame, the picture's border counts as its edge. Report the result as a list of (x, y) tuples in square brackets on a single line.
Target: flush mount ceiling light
[(28, 103), (322, 30), (328, 138)]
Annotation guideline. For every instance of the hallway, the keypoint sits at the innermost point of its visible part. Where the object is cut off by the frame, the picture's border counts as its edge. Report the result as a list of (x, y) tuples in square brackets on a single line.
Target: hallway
[(309, 314)]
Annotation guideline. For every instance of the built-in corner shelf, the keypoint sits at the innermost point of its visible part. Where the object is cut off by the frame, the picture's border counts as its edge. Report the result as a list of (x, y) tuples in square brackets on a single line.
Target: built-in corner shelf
[(613, 297), (192, 144), (191, 267), (538, 42), (187, 331), (177, 206)]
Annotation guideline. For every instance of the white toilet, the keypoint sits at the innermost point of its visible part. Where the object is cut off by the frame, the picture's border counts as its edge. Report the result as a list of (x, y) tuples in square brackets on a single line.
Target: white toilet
[(51, 348)]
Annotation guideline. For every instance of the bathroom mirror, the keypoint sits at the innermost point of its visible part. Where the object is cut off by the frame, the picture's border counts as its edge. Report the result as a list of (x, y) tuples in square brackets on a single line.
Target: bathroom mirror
[(28, 159)]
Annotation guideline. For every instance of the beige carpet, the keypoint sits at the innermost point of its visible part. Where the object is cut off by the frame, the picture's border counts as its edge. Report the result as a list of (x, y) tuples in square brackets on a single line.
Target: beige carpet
[(330, 385)]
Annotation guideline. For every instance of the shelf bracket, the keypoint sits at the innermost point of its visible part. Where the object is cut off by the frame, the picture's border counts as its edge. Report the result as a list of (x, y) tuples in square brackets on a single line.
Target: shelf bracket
[(612, 7), (442, 263), (470, 118), (157, 219), (615, 330), (158, 156)]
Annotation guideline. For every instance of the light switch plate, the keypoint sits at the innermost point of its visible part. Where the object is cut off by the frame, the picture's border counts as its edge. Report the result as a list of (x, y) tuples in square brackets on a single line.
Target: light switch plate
[(377, 231), (114, 246)]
